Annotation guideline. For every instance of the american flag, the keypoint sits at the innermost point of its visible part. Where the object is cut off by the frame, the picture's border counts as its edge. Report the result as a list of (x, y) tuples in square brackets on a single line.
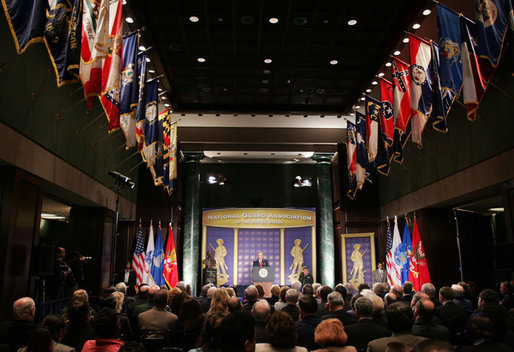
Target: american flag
[(393, 269), (138, 260), (389, 254)]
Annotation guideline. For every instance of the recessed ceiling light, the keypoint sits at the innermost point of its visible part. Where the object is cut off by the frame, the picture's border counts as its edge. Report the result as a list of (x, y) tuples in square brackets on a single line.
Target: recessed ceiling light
[(265, 81), (273, 20), (352, 22), (325, 21), (416, 26), (167, 105), (266, 72), (264, 90), (368, 90), (142, 48), (497, 209), (299, 21), (225, 89), (201, 59), (374, 83), (124, 2), (388, 64), (159, 89), (129, 19), (267, 61), (362, 99), (220, 19), (148, 59), (194, 19), (405, 40), (381, 74), (151, 71), (397, 52), (427, 12), (357, 107), (334, 62), (164, 97)]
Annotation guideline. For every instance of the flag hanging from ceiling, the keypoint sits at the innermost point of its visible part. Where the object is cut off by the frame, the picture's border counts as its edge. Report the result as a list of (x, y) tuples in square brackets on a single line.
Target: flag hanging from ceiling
[(362, 158), (149, 258), (492, 19), (157, 169), (405, 252), (421, 93), (351, 159), (26, 20), (401, 94), (473, 84), (170, 154), (386, 127), (93, 49), (151, 125), (443, 98), (394, 269), (141, 101), (129, 88), (111, 70), (450, 59), (62, 38), (170, 261), (399, 142), (418, 273), (138, 259), (158, 261), (372, 132)]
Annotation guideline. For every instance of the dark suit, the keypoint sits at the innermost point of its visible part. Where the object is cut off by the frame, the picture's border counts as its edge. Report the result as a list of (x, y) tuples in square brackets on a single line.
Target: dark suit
[(430, 330), (305, 329), (306, 279), (264, 263), (260, 333), (487, 347), (343, 316), (380, 345), (76, 336), (322, 309), (292, 310), (377, 277), (452, 316), (16, 333), (131, 283), (364, 331)]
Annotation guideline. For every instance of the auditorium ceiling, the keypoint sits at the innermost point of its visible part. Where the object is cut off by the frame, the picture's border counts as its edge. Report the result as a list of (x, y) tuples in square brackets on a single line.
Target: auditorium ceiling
[(270, 57)]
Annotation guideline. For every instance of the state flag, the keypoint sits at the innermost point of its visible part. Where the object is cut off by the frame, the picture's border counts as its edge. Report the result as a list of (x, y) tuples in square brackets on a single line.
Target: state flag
[(170, 261), (362, 158), (149, 258), (386, 113), (372, 125), (26, 21), (351, 159), (401, 94), (421, 88), (129, 88), (157, 169), (443, 97), (156, 272), (151, 133), (141, 101), (399, 143), (418, 273)]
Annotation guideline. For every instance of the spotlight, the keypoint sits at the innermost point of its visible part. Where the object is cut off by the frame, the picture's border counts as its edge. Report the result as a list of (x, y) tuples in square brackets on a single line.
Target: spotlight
[(121, 179)]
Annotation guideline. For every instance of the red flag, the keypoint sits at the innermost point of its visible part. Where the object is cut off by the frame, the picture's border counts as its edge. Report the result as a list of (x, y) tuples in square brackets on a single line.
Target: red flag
[(170, 272), (386, 116), (418, 271), (401, 94)]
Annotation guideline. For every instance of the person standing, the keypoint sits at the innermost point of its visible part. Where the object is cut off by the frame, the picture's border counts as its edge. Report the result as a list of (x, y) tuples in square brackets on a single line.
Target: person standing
[(305, 277), (260, 262), (379, 275)]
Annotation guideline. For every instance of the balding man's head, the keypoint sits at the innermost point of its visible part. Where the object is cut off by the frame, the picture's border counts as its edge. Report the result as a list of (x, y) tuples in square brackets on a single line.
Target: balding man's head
[(251, 293), (424, 309), (234, 305), (24, 309), (182, 286), (418, 296), (260, 311), (151, 292), (210, 292)]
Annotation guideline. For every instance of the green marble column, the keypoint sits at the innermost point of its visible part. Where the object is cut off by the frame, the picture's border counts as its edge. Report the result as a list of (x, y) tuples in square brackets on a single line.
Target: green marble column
[(192, 226), (325, 221)]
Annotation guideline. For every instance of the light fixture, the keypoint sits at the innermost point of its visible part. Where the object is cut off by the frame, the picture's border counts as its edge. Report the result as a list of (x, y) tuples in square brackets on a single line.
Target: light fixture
[(427, 12), (300, 182), (388, 64), (497, 210), (211, 180), (141, 48), (267, 61), (357, 107), (381, 74), (368, 90), (49, 216), (266, 72), (121, 179), (265, 81), (201, 59), (218, 179), (416, 26), (151, 71), (352, 22), (159, 89), (164, 97), (166, 105), (194, 19), (397, 52), (273, 20), (148, 59), (334, 62), (374, 83), (124, 2), (405, 40), (363, 98), (129, 19)]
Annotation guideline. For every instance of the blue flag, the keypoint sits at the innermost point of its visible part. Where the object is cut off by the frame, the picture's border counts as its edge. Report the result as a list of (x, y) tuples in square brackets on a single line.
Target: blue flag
[(443, 98), (26, 20), (151, 130), (141, 101), (362, 157), (491, 25), (406, 250), (450, 42), (399, 142), (158, 261), (351, 158), (129, 94)]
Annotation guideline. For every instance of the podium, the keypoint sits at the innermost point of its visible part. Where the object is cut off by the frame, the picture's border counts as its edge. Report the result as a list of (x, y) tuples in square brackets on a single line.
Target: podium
[(263, 276)]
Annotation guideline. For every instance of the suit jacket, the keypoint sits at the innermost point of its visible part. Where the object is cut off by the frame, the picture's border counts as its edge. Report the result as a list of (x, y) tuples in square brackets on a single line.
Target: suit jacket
[(131, 279), (76, 336), (264, 262), (305, 279), (158, 320), (266, 347), (305, 329), (487, 347), (343, 316), (58, 347), (16, 333), (380, 345), (375, 276), (364, 331), (452, 316), (260, 333), (322, 309), (464, 303), (430, 330), (292, 310)]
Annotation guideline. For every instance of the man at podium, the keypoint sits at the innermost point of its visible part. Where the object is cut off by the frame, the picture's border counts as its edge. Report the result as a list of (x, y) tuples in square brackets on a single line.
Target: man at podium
[(260, 261)]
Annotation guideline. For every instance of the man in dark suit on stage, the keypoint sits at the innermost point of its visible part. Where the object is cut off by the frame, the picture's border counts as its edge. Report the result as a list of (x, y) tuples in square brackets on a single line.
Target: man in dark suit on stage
[(128, 276), (379, 275), (260, 260)]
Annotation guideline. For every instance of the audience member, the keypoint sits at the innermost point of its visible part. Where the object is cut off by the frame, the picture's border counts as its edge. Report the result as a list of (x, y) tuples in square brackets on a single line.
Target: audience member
[(107, 329), (275, 295), (16, 333), (418, 296), (55, 325), (39, 341), (237, 333), (219, 301), (458, 298), (335, 306), (489, 306), (399, 321), (308, 322), (115, 301), (346, 295), (398, 292), (282, 301), (189, 323), (331, 336), (407, 291), (429, 289), (251, 295), (424, 326), (322, 305), (281, 331), (451, 315), (365, 330), (203, 293), (398, 347), (234, 305), (176, 301), (362, 286), (379, 289), (142, 296), (157, 319), (507, 300), (79, 329), (128, 277), (260, 292), (291, 300), (206, 304), (481, 332), (208, 341), (297, 285), (308, 290), (261, 314), (434, 346)]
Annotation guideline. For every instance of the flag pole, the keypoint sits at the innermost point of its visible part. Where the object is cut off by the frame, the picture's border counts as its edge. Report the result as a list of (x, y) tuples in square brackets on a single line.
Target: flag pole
[(458, 242)]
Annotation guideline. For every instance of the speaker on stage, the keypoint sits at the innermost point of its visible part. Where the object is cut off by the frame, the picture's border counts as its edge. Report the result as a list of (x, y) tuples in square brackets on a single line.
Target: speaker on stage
[(263, 276), (43, 259)]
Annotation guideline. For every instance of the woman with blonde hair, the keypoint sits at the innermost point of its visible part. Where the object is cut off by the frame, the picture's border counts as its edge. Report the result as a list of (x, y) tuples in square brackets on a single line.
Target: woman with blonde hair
[(219, 301), (331, 336)]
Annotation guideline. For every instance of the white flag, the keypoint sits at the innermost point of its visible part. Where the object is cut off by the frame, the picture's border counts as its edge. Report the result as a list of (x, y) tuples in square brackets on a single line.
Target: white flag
[(148, 259)]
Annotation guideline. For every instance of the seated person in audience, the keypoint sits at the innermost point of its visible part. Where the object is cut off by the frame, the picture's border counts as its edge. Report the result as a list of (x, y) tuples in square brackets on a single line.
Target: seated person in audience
[(429, 289), (281, 331), (347, 295), (291, 300), (237, 333), (282, 298), (107, 329), (482, 334), (322, 305), (335, 306), (16, 333), (275, 293), (251, 296), (234, 305), (143, 308), (407, 291), (208, 340), (331, 335), (158, 319), (261, 314), (142, 296), (308, 322), (308, 290), (79, 329), (399, 321), (55, 325), (297, 285), (219, 301), (507, 299), (189, 323), (206, 304), (39, 341), (115, 301), (398, 347), (451, 315), (434, 346), (424, 326), (365, 330), (260, 292), (458, 298)]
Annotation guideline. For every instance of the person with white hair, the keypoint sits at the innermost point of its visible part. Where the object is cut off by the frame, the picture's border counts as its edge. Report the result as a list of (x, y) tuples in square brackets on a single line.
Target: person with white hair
[(460, 300), (297, 285), (292, 296), (335, 306), (261, 314), (16, 333), (206, 304)]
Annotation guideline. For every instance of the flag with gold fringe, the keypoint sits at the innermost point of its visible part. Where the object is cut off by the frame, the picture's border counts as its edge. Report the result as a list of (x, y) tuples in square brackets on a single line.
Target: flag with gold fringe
[(129, 88)]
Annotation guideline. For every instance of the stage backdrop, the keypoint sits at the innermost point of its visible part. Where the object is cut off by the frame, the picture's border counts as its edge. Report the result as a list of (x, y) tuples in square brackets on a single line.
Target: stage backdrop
[(287, 238)]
